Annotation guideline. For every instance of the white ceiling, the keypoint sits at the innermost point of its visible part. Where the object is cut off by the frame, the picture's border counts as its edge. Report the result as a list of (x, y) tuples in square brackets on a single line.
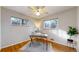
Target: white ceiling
[(27, 11)]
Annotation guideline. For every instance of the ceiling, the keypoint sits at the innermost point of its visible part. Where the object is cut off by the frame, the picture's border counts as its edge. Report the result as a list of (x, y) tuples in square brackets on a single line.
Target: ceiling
[(50, 9)]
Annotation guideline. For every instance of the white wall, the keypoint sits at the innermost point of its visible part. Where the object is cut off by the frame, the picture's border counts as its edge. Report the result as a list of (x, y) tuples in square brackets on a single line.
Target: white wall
[(78, 28), (13, 34), (66, 18), (0, 26)]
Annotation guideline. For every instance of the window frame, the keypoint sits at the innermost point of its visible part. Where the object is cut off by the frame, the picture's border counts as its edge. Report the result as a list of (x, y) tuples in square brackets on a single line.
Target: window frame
[(49, 28), (21, 21)]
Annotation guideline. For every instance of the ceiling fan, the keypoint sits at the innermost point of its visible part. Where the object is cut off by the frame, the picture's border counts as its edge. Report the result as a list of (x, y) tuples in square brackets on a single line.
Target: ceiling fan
[(38, 10)]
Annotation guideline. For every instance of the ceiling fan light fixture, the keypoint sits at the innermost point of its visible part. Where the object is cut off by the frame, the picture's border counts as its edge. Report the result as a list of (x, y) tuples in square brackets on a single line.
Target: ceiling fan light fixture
[(38, 10), (38, 13)]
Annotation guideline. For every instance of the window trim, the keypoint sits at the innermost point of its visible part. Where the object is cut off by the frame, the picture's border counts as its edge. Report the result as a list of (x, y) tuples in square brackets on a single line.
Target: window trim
[(21, 21), (50, 20)]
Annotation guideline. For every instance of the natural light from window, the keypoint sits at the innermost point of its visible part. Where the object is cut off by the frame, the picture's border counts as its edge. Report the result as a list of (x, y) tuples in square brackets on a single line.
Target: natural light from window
[(61, 33), (53, 26)]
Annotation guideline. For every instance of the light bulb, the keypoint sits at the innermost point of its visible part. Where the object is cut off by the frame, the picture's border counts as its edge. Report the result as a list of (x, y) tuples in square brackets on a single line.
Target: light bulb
[(37, 13)]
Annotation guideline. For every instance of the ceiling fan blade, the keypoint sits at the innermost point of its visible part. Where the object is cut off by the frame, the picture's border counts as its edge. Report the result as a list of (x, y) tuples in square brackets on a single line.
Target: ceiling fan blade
[(43, 11), (33, 8)]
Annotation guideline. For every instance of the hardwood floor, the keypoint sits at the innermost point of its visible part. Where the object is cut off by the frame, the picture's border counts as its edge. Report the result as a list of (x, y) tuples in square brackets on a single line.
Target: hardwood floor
[(14, 48), (61, 48), (55, 46)]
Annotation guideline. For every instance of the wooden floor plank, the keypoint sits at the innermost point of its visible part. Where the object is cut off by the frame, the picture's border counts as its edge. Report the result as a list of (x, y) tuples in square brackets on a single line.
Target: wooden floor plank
[(14, 48)]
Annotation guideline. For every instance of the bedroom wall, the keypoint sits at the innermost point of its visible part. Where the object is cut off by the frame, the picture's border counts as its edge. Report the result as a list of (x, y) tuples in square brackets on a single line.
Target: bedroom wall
[(78, 28), (0, 26), (13, 34), (38, 22), (66, 18)]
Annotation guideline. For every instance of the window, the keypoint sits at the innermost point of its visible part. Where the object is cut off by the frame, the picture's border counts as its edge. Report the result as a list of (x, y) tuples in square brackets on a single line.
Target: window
[(15, 21), (50, 24), (18, 21)]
